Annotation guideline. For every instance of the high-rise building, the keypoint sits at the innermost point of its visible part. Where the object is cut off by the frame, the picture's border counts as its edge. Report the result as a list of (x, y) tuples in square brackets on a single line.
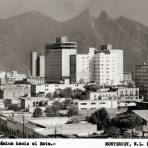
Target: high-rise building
[(141, 79), (84, 66), (33, 64), (108, 66), (42, 66), (57, 59), (37, 64)]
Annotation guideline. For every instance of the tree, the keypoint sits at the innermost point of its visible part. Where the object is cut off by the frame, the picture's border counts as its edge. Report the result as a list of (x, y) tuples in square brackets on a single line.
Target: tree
[(53, 110), (79, 94), (112, 131), (127, 121), (37, 113), (92, 88), (41, 103), (101, 118), (66, 104), (72, 111)]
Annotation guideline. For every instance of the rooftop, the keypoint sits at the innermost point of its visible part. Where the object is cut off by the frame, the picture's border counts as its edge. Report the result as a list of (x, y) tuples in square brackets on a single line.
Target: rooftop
[(142, 113), (49, 121)]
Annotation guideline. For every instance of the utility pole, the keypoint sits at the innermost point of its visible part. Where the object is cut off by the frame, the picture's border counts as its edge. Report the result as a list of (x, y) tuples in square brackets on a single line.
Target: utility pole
[(55, 133), (23, 126)]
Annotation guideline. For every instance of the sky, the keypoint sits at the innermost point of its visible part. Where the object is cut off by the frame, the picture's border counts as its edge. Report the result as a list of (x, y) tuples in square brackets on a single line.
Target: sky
[(65, 9)]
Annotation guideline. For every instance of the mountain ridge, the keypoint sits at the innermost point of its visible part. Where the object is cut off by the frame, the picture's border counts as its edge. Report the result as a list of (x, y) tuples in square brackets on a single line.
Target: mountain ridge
[(21, 34)]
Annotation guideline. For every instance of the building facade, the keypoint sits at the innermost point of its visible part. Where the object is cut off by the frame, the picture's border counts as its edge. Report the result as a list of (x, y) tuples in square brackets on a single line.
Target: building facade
[(141, 79), (37, 64), (108, 66), (57, 60)]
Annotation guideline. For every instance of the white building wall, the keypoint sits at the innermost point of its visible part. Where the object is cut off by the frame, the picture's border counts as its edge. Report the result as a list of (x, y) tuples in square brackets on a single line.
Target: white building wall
[(66, 61), (33, 63), (93, 104), (84, 66), (82, 70), (108, 68), (42, 66), (50, 88)]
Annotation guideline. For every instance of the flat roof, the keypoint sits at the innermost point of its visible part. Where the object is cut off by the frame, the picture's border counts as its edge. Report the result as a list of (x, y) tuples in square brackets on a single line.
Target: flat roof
[(49, 121)]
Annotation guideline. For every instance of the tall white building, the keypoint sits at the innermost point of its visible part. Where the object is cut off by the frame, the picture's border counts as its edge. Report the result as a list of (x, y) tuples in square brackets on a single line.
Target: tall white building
[(33, 64), (42, 66), (37, 64), (57, 59), (108, 66), (84, 66)]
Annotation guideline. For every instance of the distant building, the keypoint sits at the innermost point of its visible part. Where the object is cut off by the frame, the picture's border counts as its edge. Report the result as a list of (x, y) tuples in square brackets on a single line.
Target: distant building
[(14, 76), (57, 60), (13, 92), (30, 103), (37, 64), (128, 78), (87, 106), (120, 93), (108, 66), (2, 77), (84, 66), (33, 64), (37, 90), (36, 80), (141, 79)]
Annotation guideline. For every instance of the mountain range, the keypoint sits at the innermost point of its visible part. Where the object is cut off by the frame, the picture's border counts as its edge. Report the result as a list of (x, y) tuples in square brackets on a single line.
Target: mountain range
[(21, 34)]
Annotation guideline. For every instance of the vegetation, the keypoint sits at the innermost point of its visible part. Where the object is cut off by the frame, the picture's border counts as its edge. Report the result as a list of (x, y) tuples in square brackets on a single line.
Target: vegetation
[(65, 93), (66, 104), (53, 111), (37, 113), (72, 111), (112, 131), (101, 118), (127, 121), (79, 94), (92, 88)]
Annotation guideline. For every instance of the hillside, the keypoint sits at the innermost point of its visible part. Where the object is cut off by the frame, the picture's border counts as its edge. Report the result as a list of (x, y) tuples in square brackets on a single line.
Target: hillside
[(21, 34)]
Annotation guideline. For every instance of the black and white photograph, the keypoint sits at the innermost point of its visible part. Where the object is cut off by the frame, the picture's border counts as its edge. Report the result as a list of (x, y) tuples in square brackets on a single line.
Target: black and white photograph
[(74, 69)]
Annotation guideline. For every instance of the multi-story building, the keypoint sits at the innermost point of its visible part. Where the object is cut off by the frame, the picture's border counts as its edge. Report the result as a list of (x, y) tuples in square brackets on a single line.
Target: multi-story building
[(89, 106), (128, 78), (30, 103), (37, 90), (141, 79), (13, 76), (33, 64), (2, 77), (57, 60), (37, 64), (108, 66), (14, 91), (83, 66), (120, 93)]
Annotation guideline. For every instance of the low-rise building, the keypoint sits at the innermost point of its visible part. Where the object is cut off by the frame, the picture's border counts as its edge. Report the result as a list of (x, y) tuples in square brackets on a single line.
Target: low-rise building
[(51, 88), (36, 80), (13, 76), (33, 102), (93, 105), (47, 127), (14, 91), (116, 93)]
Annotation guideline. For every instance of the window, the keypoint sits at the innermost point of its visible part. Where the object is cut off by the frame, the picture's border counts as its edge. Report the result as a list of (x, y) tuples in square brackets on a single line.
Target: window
[(83, 103), (93, 103)]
